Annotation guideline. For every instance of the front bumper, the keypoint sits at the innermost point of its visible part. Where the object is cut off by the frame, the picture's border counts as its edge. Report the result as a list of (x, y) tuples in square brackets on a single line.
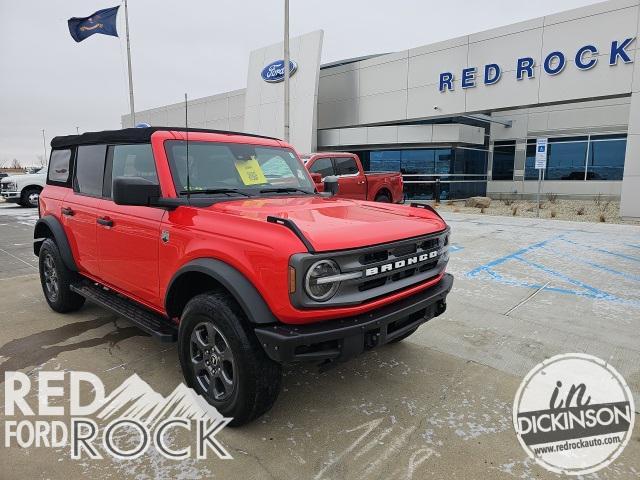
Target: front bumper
[(10, 196), (339, 340)]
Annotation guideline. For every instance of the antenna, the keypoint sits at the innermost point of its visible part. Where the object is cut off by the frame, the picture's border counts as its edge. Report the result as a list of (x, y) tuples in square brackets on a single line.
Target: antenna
[(186, 126)]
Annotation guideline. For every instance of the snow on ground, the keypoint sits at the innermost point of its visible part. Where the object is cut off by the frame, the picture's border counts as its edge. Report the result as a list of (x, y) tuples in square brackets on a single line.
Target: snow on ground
[(24, 216)]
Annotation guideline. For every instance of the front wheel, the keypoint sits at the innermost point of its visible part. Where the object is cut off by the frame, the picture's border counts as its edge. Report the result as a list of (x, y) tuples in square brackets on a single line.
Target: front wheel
[(29, 197), (56, 280), (223, 361)]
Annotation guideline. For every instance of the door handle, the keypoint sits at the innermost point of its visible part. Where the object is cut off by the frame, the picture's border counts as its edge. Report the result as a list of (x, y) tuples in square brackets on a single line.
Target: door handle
[(105, 221), (67, 211)]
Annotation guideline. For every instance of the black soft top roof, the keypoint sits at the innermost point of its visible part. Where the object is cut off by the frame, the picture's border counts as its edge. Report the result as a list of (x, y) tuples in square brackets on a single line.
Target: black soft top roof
[(131, 135)]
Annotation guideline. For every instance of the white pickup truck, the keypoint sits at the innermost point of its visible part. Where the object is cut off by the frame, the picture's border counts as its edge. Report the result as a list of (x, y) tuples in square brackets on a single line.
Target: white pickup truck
[(23, 189)]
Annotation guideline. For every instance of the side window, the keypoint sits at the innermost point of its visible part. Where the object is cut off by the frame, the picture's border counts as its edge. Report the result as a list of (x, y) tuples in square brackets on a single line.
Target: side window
[(346, 166), (89, 170), (59, 167), (323, 166), (129, 161)]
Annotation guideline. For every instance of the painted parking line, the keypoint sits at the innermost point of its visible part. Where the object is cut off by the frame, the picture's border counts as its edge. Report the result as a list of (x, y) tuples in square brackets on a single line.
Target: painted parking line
[(583, 289), (604, 268), (602, 250)]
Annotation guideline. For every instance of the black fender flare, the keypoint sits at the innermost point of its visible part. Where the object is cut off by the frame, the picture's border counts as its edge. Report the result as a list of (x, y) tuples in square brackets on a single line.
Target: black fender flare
[(52, 224), (242, 290)]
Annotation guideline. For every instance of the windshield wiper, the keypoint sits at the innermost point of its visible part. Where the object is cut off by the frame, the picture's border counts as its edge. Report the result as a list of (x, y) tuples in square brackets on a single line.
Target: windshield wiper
[(285, 190), (212, 191)]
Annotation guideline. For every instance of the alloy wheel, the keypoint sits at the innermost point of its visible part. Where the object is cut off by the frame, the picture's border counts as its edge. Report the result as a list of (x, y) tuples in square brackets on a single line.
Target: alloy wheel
[(33, 199), (212, 361), (51, 282)]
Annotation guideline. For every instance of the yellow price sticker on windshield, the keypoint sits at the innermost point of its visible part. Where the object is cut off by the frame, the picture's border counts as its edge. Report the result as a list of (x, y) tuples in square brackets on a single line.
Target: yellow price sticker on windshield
[(250, 172)]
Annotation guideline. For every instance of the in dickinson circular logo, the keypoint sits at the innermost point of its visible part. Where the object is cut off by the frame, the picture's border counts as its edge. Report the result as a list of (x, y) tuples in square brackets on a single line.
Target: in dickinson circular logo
[(573, 414)]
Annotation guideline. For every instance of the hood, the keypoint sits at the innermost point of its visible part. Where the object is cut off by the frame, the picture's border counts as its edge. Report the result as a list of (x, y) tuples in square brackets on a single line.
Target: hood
[(338, 224), (10, 178), (17, 178)]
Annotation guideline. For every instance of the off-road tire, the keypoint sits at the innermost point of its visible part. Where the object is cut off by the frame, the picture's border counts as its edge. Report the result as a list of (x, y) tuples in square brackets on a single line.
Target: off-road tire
[(256, 378), (403, 336), (53, 271), (26, 198), (383, 198)]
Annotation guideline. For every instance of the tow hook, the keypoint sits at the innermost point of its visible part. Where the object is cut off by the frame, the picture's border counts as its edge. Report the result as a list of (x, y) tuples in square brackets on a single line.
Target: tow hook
[(441, 307), (371, 339)]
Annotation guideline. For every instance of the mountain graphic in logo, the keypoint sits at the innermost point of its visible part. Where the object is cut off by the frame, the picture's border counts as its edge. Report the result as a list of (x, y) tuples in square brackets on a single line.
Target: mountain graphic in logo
[(135, 399)]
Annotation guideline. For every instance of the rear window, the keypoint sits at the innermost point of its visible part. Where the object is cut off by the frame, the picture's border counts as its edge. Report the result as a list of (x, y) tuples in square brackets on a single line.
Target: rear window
[(90, 169), (59, 166)]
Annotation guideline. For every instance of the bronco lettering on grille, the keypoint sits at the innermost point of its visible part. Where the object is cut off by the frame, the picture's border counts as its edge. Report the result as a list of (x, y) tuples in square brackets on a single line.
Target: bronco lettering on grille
[(389, 267)]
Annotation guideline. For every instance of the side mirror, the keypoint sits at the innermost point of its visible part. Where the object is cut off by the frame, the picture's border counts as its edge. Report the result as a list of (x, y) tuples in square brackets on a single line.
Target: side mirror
[(135, 191), (316, 177), (331, 185)]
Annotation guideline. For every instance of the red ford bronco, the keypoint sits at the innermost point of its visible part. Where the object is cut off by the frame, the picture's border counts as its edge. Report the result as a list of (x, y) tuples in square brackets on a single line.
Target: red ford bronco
[(219, 241)]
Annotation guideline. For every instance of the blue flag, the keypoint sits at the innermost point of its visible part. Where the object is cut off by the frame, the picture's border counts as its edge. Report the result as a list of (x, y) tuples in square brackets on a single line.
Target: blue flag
[(103, 21)]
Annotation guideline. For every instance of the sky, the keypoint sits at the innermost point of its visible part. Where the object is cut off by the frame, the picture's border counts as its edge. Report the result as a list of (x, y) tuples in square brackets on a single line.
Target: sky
[(48, 82)]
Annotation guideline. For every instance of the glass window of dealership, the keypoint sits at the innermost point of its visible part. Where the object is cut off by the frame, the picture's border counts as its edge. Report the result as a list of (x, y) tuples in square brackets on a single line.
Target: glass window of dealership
[(463, 171)]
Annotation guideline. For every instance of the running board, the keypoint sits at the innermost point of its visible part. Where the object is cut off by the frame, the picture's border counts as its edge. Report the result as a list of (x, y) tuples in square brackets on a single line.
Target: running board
[(152, 323)]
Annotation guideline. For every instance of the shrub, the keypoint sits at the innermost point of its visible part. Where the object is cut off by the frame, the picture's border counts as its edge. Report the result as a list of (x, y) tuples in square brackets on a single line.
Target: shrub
[(602, 218), (482, 210), (514, 210), (580, 210), (552, 197), (553, 214), (508, 202), (597, 199)]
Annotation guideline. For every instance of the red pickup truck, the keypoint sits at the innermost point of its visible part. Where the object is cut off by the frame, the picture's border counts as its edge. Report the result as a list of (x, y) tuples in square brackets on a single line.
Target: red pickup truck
[(219, 241), (354, 182)]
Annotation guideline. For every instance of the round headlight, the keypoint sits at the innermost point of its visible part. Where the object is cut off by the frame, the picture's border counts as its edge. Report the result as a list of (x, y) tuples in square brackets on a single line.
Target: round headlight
[(316, 288)]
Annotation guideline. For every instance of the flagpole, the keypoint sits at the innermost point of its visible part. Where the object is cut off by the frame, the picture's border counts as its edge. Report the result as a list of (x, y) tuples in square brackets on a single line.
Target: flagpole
[(287, 73), (126, 22)]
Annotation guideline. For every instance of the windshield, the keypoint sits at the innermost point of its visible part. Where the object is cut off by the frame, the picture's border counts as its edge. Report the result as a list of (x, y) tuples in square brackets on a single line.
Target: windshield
[(226, 168)]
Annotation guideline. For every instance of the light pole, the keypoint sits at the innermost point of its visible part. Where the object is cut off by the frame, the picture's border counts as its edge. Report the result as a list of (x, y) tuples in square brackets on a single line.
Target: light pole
[(44, 146), (286, 70), (77, 130)]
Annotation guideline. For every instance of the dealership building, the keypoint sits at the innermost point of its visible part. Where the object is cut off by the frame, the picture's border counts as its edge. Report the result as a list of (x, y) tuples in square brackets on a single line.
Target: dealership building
[(463, 114)]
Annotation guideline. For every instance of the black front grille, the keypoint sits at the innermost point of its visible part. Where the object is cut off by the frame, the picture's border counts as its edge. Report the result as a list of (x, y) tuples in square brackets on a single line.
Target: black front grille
[(405, 250), (369, 284), (398, 255), (374, 257), (379, 270)]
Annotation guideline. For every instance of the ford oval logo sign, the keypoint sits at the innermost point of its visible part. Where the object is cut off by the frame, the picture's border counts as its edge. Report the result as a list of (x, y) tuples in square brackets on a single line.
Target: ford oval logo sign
[(274, 72)]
